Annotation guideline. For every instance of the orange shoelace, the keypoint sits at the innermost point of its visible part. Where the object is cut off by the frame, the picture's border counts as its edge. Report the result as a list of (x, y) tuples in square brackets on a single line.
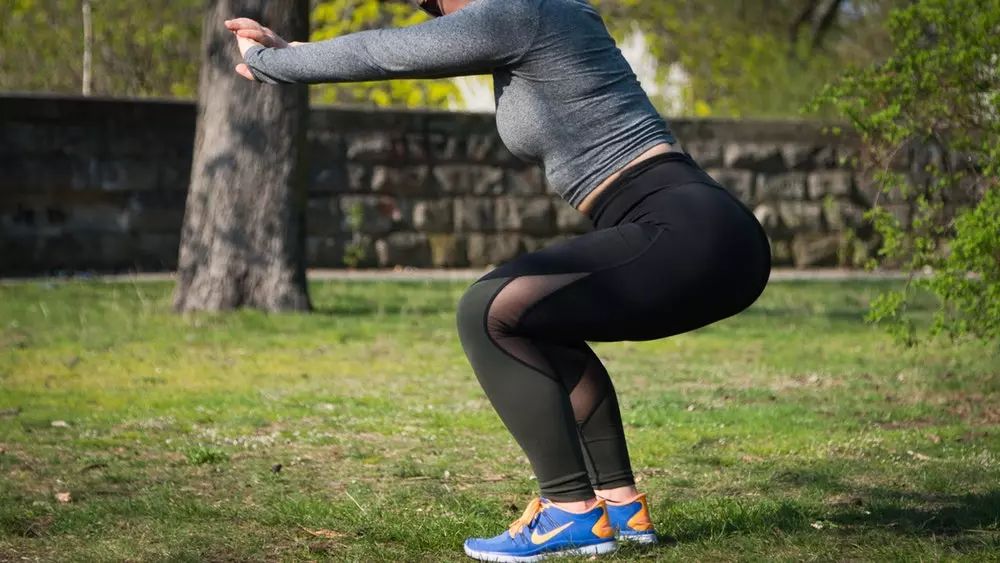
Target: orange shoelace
[(535, 507)]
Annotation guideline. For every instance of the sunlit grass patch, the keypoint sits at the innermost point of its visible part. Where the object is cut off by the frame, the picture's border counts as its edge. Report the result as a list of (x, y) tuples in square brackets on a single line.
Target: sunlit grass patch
[(793, 431)]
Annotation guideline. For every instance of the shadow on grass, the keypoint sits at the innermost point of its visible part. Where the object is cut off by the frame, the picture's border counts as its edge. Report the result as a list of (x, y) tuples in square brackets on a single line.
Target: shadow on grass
[(908, 512), (938, 515), (375, 309), (856, 315)]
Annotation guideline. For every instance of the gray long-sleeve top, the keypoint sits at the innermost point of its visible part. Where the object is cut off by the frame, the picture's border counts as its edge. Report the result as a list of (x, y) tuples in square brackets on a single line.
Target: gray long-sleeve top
[(565, 96)]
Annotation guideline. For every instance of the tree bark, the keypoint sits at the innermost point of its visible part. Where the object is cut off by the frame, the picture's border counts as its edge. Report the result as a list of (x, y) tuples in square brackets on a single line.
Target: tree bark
[(825, 22), (243, 241)]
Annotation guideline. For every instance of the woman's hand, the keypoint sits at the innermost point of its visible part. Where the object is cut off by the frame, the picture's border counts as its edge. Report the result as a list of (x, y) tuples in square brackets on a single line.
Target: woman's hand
[(249, 33)]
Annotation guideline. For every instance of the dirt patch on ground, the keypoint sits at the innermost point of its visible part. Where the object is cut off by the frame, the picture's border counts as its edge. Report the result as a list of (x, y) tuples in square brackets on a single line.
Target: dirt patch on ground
[(907, 424), (975, 408)]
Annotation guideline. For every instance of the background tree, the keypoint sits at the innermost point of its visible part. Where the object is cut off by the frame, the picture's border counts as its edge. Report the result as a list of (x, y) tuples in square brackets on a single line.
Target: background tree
[(147, 48), (761, 58), (741, 57), (242, 244), (937, 96)]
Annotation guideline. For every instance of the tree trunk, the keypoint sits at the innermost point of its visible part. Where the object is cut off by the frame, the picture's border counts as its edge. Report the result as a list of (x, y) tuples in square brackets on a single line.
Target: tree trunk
[(243, 241), (88, 49)]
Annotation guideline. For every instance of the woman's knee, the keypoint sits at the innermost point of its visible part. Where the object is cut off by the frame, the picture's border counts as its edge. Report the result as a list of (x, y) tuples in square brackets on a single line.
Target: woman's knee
[(473, 308)]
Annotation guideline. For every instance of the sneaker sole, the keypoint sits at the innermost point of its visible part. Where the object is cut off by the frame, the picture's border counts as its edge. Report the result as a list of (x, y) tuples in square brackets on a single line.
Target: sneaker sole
[(642, 539), (598, 549)]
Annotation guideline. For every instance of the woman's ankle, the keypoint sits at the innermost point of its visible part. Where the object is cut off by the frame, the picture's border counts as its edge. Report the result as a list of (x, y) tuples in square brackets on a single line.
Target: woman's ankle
[(618, 495), (575, 505)]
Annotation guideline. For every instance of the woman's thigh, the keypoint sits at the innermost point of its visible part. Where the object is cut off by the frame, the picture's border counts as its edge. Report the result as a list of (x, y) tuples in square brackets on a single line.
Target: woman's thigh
[(633, 281)]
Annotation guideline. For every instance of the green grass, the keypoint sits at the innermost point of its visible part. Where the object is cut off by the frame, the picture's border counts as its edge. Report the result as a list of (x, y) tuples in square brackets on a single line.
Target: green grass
[(791, 432)]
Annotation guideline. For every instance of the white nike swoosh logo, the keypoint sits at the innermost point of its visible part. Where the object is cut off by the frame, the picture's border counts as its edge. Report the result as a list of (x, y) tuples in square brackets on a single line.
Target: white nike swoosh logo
[(539, 539)]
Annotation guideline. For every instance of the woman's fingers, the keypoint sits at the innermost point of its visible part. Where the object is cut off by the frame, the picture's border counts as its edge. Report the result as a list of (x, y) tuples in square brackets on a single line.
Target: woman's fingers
[(242, 23), (243, 70)]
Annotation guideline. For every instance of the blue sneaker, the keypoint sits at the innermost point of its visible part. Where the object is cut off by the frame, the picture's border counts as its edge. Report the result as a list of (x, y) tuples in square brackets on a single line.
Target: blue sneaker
[(631, 521), (545, 530)]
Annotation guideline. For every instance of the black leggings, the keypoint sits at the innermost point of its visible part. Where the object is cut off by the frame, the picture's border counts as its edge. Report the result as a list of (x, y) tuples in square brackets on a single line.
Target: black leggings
[(672, 251)]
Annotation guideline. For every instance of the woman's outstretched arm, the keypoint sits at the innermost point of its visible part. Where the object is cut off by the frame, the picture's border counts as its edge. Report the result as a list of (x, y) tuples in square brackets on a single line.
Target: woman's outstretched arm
[(482, 36)]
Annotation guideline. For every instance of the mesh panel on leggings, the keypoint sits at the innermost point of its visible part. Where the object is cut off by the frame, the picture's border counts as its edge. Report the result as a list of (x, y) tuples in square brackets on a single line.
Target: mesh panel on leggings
[(508, 307), (590, 390), (582, 373)]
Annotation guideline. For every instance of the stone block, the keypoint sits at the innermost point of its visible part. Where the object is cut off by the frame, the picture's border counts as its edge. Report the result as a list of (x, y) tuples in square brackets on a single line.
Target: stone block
[(323, 217), (157, 251), (403, 249), (781, 252), (829, 182), (156, 221), (808, 156), (32, 174), (128, 175), (708, 154), (99, 218), (800, 215), (24, 138), (408, 180), (474, 214), (156, 211), (532, 244), (359, 252), (740, 183), (467, 142), (767, 215), (903, 212), (433, 216), (787, 186), (531, 216), (845, 156), (375, 146), (524, 181), (443, 147), (448, 251), (324, 251), (331, 176), (117, 140), (373, 215), (569, 219), (491, 250), (70, 252), (799, 156), (56, 216), (869, 193), (469, 179), (21, 219), (480, 147), (842, 214), (325, 146), (815, 249), (759, 157), (827, 157), (359, 177), (17, 254), (174, 174), (117, 251)]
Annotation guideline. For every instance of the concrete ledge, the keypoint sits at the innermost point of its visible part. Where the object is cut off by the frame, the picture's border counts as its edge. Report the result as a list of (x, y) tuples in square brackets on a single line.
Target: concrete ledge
[(427, 274)]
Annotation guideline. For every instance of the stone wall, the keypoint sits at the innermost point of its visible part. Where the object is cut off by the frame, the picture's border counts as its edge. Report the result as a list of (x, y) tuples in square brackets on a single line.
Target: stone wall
[(97, 184)]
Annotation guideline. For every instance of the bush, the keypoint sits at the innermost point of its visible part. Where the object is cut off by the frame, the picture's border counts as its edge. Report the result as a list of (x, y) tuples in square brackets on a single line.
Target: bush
[(935, 100)]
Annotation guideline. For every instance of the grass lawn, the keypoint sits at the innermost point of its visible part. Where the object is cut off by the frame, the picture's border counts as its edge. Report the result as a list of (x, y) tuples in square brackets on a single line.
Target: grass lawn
[(792, 432)]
